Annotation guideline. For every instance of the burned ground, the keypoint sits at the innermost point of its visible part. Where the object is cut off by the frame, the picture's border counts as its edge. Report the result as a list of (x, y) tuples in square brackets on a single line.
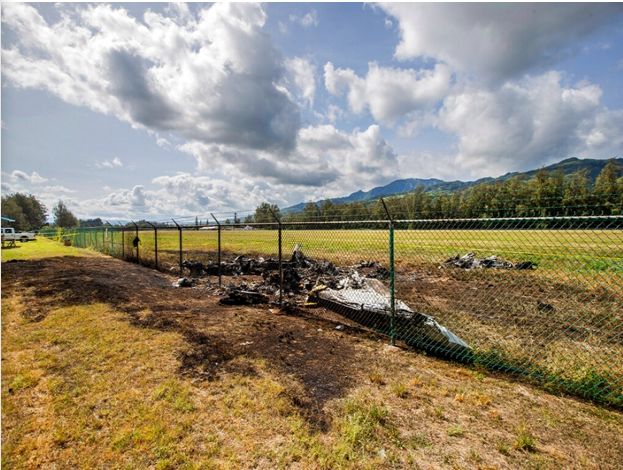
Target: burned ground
[(564, 325), (294, 342)]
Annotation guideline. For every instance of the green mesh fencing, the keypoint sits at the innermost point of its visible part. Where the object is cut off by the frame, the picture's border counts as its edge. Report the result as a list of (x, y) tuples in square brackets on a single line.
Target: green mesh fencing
[(540, 298)]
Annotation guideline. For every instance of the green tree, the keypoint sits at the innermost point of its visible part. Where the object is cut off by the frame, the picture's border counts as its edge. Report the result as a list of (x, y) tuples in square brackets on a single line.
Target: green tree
[(29, 213), (329, 210), (555, 192), (576, 193), (63, 217), (263, 212), (97, 222), (311, 211), (606, 187), (539, 189)]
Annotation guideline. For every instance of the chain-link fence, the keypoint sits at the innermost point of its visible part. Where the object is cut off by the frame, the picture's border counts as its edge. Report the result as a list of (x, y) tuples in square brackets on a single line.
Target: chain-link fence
[(540, 298)]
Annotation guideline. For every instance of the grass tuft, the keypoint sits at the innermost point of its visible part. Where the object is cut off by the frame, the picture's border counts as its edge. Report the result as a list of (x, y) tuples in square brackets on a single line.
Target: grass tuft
[(524, 441), (400, 389), (456, 431)]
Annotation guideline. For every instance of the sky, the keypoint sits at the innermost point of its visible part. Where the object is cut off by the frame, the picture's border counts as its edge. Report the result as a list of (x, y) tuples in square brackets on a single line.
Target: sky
[(157, 110)]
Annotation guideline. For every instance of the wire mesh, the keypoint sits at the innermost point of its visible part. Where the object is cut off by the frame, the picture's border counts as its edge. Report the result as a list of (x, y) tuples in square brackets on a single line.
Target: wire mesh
[(541, 300), (538, 297)]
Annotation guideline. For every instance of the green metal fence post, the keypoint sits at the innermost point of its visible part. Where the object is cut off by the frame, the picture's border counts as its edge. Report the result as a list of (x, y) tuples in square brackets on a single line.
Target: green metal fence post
[(155, 243), (136, 242), (392, 290), (280, 258), (179, 229), (218, 224)]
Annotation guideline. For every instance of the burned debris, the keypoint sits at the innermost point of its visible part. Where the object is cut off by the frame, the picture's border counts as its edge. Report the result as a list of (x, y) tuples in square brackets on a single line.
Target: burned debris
[(184, 282), (367, 301), (241, 265), (356, 292), (243, 295), (470, 261)]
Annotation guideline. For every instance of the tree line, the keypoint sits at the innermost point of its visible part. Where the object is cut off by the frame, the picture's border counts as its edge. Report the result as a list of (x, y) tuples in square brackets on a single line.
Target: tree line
[(30, 214), (548, 194)]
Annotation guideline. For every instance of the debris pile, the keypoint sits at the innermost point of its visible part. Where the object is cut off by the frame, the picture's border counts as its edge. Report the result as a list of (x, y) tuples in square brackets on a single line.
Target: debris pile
[(243, 295), (373, 269), (357, 292), (470, 261), (241, 265)]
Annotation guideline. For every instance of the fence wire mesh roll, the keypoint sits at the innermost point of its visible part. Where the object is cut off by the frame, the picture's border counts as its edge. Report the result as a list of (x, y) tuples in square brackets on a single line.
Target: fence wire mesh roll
[(540, 297)]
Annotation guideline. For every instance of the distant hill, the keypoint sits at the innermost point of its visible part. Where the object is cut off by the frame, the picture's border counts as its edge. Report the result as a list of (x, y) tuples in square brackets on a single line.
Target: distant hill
[(568, 166)]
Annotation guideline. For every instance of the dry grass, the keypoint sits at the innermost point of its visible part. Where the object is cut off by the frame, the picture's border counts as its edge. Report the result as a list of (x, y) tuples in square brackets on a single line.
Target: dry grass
[(86, 387)]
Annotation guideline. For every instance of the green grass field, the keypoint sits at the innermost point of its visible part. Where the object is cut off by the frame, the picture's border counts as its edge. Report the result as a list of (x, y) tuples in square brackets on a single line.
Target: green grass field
[(42, 248), (570, 250)]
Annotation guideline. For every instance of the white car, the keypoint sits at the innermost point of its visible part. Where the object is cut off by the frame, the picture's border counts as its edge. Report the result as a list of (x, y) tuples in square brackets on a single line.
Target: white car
[(8, 234)]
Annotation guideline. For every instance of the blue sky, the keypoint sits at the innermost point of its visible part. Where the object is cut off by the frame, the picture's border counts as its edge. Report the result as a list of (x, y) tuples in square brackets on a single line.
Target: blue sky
[(157, 110)]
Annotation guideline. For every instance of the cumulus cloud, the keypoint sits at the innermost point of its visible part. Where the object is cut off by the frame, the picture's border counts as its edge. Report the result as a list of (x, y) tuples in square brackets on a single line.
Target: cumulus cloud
[(132, 198), (364, 157), (389, 93), (527, 123), (301, 73), (334, 113), (58, 189), (494, 42), (213, 83), (181, 195), (307, 20), (22, 176), (324, 156), (209, 77), (114, 163), (212, 79)]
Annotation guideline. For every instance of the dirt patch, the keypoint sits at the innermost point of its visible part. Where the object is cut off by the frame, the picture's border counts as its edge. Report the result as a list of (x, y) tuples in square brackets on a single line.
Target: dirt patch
[(306, 347)]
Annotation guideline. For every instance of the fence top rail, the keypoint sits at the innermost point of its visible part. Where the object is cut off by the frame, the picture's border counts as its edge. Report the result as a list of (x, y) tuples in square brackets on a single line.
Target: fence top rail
[(507, 219), (354, 222)]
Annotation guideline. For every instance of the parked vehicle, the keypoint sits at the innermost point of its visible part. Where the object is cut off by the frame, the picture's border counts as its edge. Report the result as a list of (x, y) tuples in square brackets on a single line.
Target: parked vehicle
[(9, 233)]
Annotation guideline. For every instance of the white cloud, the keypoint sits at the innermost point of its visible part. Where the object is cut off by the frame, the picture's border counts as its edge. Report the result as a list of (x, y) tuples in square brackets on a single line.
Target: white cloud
[(325, 157), (130, 199), (496, 41), (58, 189), (389, 93), (208, 77), (528, 123), (308, 20), (114, 163), (213, 83), (22, 176), (362, 158), (334, 113), (162, 142), (301, 74)]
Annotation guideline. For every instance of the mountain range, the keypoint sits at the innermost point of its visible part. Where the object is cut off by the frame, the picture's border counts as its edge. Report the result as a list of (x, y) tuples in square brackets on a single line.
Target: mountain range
[(568, 166)]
